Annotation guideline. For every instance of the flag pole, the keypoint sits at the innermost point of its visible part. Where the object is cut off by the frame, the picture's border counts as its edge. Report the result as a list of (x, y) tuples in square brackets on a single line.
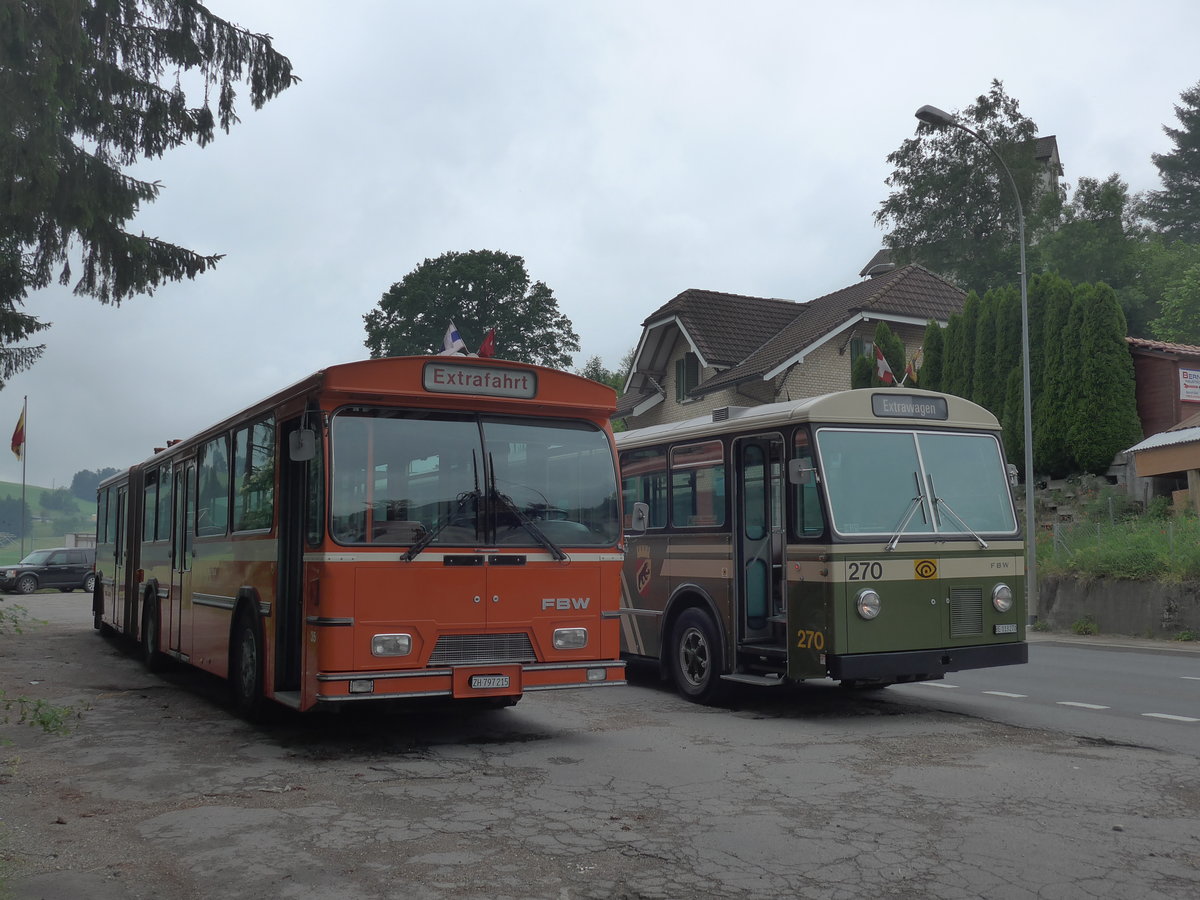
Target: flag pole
[(24, 456)]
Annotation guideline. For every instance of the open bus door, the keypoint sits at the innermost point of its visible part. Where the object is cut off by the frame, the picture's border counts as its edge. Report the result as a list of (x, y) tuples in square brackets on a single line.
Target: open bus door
[(759, 540)]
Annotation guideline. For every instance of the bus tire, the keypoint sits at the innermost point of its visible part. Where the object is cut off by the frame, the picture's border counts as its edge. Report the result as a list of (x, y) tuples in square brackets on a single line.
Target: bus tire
[(697, 662), (245, 669), (152, 657)]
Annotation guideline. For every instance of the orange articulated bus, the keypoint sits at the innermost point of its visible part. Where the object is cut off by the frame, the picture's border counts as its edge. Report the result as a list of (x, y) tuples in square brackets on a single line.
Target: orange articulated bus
[(405, 527)]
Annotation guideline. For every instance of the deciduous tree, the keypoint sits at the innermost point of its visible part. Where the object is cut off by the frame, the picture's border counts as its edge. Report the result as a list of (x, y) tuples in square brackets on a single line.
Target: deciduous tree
[(477, 290), (951, 207)]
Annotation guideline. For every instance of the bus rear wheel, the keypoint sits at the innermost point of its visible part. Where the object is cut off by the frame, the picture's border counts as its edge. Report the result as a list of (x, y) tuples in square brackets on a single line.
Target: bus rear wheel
[(696, 659), (152, 657), (245, 670)]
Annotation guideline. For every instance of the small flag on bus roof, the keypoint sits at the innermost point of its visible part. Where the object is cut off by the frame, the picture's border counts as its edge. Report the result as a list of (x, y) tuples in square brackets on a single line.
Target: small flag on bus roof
[(882, 369), (488, 348), (452, 343)]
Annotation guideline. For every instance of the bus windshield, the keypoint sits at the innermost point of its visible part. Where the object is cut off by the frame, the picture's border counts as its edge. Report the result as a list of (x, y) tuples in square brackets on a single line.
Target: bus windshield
[(404, 477), (915, 482)]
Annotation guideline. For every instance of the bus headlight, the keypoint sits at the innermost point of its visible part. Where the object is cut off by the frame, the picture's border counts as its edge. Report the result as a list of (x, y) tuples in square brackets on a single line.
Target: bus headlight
[(867, 604), (391, 645), (1002, 598), (570, 638)]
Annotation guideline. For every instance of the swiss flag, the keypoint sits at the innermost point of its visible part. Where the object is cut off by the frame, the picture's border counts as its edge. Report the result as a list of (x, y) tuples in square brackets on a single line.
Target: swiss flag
[(882, 369)]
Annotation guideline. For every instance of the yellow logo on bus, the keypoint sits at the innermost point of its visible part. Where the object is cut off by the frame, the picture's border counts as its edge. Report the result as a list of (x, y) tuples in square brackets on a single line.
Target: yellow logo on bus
[(925, 569)]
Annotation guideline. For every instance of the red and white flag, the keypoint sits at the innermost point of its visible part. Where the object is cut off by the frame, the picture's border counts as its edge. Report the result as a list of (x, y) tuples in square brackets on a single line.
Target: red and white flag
[(488, 348), (882, 369), (18, 437)]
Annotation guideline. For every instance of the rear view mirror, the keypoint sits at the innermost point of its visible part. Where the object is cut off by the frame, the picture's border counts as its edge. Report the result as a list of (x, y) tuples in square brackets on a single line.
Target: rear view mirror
[(640, 519), (801, 471), (302, 445)]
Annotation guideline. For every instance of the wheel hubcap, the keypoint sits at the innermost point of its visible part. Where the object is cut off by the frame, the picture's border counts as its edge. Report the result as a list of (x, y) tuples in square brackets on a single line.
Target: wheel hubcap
[(693, 657)]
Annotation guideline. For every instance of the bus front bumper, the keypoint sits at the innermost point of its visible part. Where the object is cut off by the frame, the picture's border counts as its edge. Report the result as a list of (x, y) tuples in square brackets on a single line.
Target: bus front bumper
[(476, 680), (924, 664)]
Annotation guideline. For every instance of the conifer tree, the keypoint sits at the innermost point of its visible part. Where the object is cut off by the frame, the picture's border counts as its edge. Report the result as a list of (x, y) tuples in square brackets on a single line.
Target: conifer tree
[(893, 351), (933, 357), (87, 88), (1103, 419), (1055, 377), (1176, 208), (985, 389)]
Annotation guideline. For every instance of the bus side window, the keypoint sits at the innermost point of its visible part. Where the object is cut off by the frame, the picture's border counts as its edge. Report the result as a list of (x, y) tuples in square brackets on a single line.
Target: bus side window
[(807, 518), (644, 479)]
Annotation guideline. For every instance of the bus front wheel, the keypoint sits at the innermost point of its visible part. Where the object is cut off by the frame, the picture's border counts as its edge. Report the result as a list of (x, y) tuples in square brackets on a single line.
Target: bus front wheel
[(245, 676), (696, 658)]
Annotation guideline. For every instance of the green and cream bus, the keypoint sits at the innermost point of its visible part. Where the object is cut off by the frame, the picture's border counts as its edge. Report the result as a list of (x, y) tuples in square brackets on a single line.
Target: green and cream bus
[(865, 536)]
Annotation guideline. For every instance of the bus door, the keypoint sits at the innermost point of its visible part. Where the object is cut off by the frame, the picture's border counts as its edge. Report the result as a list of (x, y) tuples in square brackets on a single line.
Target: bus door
[(182, 548), (759, 536), (301, 471), (120, 597)]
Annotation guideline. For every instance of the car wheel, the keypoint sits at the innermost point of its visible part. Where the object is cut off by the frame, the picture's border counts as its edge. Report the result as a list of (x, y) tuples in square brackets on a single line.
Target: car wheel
[(697, 662), (27, 584), (89, 584), (245, 670)]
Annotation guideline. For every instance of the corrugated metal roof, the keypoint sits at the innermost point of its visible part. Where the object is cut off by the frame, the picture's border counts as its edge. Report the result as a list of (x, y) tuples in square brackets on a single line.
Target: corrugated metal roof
[(1167, 439)]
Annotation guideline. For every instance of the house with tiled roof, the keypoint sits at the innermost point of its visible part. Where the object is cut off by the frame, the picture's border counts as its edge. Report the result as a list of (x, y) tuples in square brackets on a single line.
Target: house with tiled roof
[(703, 350)]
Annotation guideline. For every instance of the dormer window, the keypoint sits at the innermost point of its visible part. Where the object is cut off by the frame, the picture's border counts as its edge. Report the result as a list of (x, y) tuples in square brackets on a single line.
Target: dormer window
[(687, 376)]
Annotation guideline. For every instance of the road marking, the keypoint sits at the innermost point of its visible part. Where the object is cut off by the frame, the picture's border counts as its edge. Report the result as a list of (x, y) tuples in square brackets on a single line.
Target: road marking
[(938, 684), (1006, 694), (1190, 677), (1081, 705), (1170, 717)]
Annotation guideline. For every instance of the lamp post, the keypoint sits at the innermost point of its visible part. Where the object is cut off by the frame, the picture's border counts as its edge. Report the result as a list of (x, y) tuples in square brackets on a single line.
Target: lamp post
[(931, 115)]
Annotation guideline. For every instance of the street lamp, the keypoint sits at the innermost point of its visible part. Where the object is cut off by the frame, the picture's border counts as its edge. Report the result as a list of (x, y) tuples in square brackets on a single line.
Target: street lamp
[(931, 115)]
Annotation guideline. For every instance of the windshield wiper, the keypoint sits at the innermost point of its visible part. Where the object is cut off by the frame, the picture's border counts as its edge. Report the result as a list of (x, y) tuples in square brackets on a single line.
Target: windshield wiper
[(938, 501), (529, 525), (428, 537), (917, 502)]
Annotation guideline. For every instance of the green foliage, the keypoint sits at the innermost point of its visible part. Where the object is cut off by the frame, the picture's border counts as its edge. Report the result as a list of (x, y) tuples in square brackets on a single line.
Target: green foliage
[(85, 483), (893, 351), (594, 369), (862, 372), (15, 516), (1085, 625), (1179, 312), (933, 357), (57, 500), (88, 87), (1097, 238), (49, 717), (1103, 416), (987, 390), (477, 290), (1053, 380), (1186, 636), (1176, 208), (951, 207)]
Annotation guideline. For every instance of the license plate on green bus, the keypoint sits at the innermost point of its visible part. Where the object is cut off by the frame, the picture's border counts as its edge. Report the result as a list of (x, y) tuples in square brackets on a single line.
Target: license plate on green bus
[(485, 682)]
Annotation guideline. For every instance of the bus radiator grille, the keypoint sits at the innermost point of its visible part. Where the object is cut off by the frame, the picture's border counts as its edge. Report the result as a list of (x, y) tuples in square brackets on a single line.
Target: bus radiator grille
[(966, 612), (454, 649)]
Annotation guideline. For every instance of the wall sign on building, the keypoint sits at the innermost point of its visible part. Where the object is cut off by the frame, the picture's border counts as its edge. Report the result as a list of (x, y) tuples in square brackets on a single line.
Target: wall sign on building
[(1189, 385)]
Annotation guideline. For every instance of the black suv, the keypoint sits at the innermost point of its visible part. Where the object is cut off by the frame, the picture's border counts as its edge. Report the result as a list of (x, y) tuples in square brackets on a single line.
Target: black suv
[(64, 568)]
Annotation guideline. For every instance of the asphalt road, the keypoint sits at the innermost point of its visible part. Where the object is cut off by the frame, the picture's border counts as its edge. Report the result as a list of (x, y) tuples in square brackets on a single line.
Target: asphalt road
[(815, 792), (1122, 690)]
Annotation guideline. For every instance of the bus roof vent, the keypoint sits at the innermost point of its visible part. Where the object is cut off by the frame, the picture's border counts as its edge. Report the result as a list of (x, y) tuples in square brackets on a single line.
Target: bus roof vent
[(728, 412)]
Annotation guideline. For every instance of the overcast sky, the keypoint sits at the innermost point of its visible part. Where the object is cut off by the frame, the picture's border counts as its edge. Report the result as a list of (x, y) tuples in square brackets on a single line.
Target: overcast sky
[(627, 150)]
